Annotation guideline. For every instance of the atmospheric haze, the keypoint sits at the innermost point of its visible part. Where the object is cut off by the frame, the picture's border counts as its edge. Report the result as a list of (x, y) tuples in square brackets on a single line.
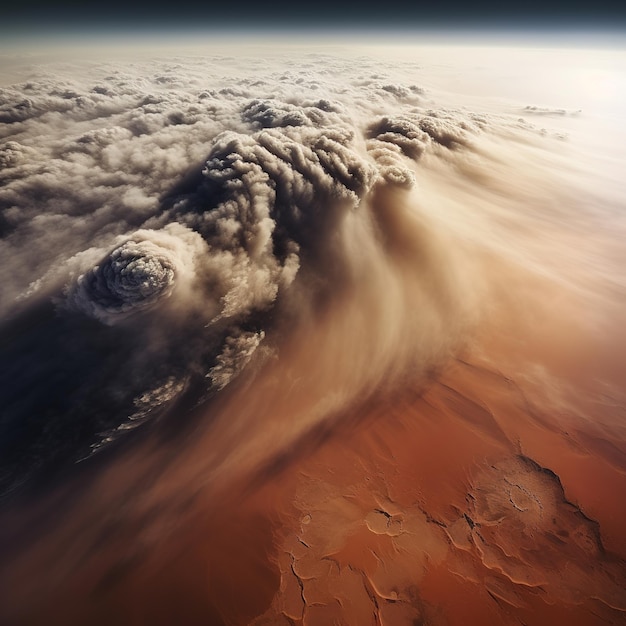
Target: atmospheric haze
[(312, 333)]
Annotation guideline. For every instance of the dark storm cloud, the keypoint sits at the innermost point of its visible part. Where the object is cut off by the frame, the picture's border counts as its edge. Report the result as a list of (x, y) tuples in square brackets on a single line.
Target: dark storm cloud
[(403, 133), (276, 114), (43, 97), (236, 354), (108, 156), (291, 168), (404, 93), (390, 138), (450, 128), (115, 143), (160, 210), (12, 154), (135, 275)]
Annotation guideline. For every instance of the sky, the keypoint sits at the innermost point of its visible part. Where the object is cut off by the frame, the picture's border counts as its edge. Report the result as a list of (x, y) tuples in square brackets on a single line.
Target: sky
[(75, 14)]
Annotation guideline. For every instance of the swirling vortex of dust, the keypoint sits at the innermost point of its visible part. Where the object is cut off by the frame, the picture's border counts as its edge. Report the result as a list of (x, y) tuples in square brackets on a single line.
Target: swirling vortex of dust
[(133, 277)]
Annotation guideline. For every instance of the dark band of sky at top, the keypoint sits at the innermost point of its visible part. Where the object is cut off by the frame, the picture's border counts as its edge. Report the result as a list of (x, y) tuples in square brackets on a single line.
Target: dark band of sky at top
[(324, 13)]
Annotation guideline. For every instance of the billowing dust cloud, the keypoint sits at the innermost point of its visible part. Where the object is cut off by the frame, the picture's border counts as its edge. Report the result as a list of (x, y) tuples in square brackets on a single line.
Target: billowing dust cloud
[(301, 340)]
